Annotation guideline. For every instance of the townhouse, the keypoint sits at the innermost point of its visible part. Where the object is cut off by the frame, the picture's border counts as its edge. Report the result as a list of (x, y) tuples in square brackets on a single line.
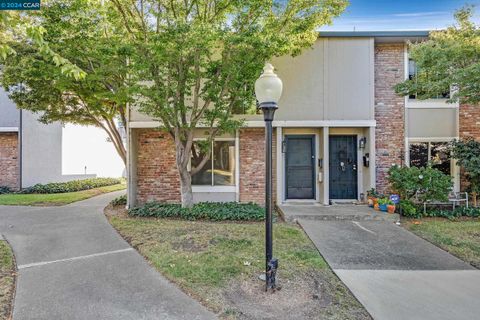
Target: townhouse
[(340, 126)]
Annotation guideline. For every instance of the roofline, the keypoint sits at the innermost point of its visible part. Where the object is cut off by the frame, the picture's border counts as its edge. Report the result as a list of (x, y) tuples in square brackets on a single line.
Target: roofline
[(375, 34)]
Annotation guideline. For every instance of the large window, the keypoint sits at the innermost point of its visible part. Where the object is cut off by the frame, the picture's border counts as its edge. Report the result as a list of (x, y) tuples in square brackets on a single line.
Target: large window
[(220, 169), (435, 153)]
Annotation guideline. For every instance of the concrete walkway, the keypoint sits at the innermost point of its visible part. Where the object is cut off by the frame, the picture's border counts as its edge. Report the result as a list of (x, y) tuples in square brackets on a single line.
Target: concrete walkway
[(395, 274), (73, 265), (313, 211)]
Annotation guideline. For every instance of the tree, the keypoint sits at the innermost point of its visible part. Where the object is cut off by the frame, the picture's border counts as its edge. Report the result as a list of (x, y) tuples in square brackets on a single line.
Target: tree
[(196, 60), (467, 154), (449, 58), (6, 19), (70, 66), (14, 27)]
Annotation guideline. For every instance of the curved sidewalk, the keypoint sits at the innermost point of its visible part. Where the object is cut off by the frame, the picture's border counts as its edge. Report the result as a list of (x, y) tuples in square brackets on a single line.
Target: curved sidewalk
[(73, 265)]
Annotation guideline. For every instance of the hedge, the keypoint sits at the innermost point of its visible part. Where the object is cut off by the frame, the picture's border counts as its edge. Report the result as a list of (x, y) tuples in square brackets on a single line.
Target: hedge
[(71, 186), (122, 200), (5, 190), (457, 213), (216, 211)]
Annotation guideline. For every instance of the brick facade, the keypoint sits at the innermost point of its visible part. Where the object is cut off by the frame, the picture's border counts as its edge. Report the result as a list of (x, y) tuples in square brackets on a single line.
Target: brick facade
[(157, 174), (469, 121), (252, 165), (469, 126), (9, 161), (389, 110)]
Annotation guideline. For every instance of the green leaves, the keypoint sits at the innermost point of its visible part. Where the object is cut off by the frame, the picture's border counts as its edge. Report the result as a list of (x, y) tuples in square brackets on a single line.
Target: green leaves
[(426, 183), (450, 58), (467, 154), (216, 211), (201, 57), (70, 65), (5, 51), (71, 186)]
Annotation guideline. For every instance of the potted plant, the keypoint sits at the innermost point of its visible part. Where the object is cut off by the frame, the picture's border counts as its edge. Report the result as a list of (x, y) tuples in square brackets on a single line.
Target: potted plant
[(390, 206), (382, 204), (372, 197)]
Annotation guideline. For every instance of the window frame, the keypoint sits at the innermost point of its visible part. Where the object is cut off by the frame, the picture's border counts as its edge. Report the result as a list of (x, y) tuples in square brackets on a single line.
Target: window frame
[(429, 153), (212, 187), (409, 76)]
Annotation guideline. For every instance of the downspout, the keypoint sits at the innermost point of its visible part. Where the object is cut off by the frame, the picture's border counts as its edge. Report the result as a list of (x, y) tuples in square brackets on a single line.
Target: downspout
[(20, 150)]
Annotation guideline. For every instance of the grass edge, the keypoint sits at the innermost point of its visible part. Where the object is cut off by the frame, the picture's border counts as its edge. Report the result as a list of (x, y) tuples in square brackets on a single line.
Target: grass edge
[(14, 276)]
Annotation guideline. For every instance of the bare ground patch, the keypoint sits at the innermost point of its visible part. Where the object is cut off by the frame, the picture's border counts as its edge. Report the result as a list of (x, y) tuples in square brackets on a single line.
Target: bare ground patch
[(218, 263)]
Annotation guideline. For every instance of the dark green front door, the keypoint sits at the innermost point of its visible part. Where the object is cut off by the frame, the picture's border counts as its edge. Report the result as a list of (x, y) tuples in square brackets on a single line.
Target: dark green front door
[(343, 167), (300, 167)]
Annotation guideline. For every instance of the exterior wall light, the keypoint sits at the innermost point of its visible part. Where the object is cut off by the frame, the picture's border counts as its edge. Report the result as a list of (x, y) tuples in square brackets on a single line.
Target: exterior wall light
[(362, 143)]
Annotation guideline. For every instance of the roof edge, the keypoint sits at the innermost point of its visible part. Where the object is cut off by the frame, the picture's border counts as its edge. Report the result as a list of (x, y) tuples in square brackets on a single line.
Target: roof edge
[(376, 34)]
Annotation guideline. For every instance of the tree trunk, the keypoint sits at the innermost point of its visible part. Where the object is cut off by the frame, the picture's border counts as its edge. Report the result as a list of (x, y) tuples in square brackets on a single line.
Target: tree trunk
[(186, 188), (181, 157)]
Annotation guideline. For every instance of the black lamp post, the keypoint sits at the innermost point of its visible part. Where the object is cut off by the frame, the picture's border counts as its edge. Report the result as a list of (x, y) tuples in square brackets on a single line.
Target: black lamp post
[(268, 89)]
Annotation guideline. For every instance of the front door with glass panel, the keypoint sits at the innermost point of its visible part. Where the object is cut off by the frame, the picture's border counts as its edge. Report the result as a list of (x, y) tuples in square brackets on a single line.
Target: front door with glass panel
[(300, 167), (343, 167)]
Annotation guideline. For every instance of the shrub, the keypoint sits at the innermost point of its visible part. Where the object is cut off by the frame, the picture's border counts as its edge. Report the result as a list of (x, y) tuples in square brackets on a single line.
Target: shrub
[(216, 211), (372, 193), (4, 190), (71, 186), (409, 209), (458, 212), (467, 154), (118, 201), (431, 184)]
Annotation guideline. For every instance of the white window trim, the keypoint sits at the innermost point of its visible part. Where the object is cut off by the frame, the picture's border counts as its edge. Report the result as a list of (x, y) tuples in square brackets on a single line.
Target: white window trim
[(8, 129), (205, 188), (212, 188), (454, 168)]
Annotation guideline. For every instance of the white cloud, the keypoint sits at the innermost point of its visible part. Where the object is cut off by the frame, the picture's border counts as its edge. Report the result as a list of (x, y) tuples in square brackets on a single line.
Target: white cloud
[(421, 14)]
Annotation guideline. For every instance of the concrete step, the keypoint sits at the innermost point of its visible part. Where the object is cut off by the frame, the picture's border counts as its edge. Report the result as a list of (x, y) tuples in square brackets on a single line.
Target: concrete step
[(292, 213)]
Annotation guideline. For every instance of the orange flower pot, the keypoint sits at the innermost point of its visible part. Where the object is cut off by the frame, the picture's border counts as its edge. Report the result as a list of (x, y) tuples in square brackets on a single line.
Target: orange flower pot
[(370, 202), (391, 208)]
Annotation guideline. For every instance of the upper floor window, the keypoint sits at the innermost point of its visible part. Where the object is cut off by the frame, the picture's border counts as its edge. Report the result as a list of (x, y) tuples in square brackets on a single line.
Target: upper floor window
[(413, 74), (220, 169)]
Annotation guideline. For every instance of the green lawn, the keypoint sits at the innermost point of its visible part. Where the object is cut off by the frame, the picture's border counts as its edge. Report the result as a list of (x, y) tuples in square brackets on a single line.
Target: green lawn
[(459, 237), (219, 264), (6, 279), (55, 199)]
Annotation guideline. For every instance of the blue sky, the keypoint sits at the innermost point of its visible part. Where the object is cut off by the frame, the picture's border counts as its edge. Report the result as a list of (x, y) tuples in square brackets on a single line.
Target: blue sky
[(366, 15)]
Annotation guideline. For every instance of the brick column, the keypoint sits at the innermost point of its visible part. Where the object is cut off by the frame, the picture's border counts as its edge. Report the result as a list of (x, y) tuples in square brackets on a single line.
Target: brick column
[(469, 127), (9, 161), (389, 110), (469, 121), (252, 165), (157, 174)]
